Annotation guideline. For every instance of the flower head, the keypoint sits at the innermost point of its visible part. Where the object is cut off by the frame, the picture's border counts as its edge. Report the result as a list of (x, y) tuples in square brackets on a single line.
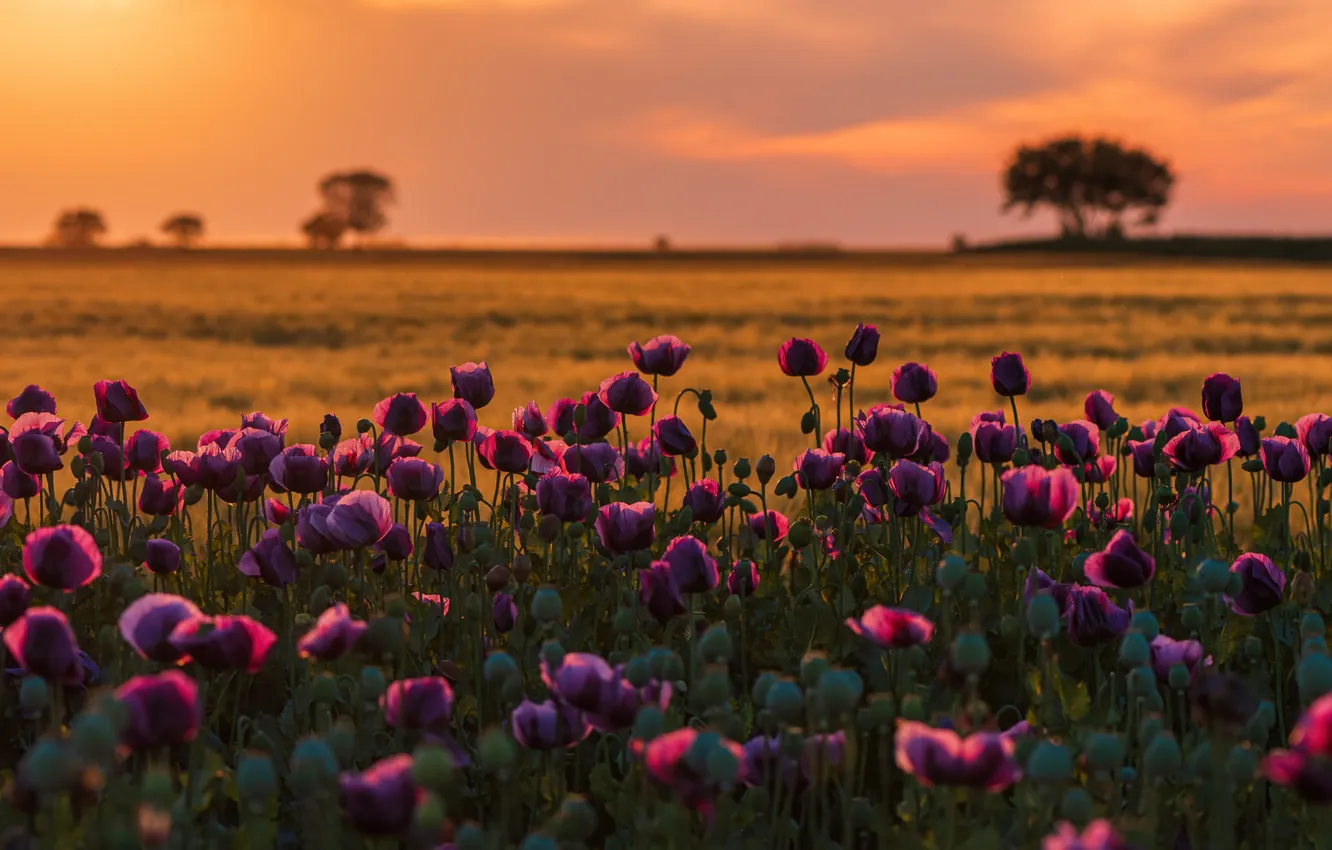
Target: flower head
[(662, 355), (892, 628)]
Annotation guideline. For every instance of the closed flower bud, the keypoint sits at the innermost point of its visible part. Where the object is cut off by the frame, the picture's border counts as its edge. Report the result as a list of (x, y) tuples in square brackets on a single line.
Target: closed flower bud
[(965, 447)]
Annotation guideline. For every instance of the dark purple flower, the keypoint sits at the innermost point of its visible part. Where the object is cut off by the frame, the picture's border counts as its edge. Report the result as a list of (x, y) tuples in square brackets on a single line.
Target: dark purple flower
[(18, 484), (32, 439), (915, 487), (161, 557), (400, 414), (705, 500), (113, 461), (1167, 652), (1009, 376), (1314, 430), (771, 526), (1086, 441), (507, 451), (1176, 421), (659, 594), (299, 469), (994, 442), (217, 467), (1285, 459), (276, 512), (221, 437), (63, 557), (743, 579), (148, 622), (527, 420), (893, 432), (1098, 835), (626, 527), (143, 451), (414, 480), (331, 425), (424, 704), (14, 595), (224, 642), (673, 436), (941, 757), (662, 355), (547, 456), (547, 725), (1144, 458), (117, 401), (160, 711), (1038, 582), (43, 644), (863, 346), (257, 449), (160, 498), (332, 636), (1198, 448), (1307, 774), (503, 612), (438, 552), (381, 801), (936, 449), (114, 430), (914, 383), (271, 560), (694, 570), (565, 495), (817, 469), (847, 442), (1099, 407), (874, 487), (1249, 438), (237, 491), (1222, 400), (598, 462), (1262, 584), (669, 760), (646, 455), (560, 416), (1121, 564), (627, 393), (33, 399), (1034, 496), (453, 420), (1093, 618), (473, 383), (599, 421), (582, 680), (312, 531), (1114, 515), (892, 628), (360, 518), (801, 358), (397, 544), (262, 421)]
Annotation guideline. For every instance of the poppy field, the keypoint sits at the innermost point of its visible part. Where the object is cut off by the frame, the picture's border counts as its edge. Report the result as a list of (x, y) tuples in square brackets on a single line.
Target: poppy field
[(937, 557)]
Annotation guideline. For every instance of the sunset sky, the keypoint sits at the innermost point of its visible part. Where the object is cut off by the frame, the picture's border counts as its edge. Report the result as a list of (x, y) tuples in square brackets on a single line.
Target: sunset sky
[(715, 121)]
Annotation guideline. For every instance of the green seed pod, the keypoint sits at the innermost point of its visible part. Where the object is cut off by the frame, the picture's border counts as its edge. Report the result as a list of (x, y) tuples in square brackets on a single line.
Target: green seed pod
[(430, 815), (965, 447), (1162, 759), (51, 766), (93, 737), (1214, 576), (624, 621), (970, 653), (812, 667), (496, 750), (313, 766), (1021, 458), (1314, 675), (1191, 616), (432, 767), (342, 741), (499, 668), (256, 780), (158, 787), (1043, 616), (882, 710), (1312, 624), (33, 695), (336, 575), (786, 486), (552, 653), (649, 723), (712, 689), (951, 572), (1141, 682), (759, 693), (1024, 552), (913, 708), (547, 607), (742, 468), (1242, 764), (800, 534), (1179, 677), (715, 644), (470, 836), (1285, 429), (1104, 751), (324, 690), (1145, 622), (372, 683), (786, 702), (1200, 760), (395, 606), (538, 841), (1050, 763), (577, 818), (1134, 651), (637, 671), (384, 635), (1076, 807), (840, 691)]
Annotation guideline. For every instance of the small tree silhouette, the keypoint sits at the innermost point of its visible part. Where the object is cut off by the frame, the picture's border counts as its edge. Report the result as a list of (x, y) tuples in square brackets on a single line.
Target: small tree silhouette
[(78, 228), (358, 197), (324, 230), (186, 228)]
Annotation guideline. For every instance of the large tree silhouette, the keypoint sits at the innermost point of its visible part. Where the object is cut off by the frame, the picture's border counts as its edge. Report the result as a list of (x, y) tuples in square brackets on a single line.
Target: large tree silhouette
[(186, 228), (324, 229), (358, 198), (1091, 184), (78, 228)]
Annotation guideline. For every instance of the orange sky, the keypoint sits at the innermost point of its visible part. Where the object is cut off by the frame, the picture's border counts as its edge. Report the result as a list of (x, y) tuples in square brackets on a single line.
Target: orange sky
[(865, 121)]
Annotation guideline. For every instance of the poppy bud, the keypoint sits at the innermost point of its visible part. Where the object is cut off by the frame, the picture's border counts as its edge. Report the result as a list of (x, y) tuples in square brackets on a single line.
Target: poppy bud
[(1285, 429), (1050, 763), (765, 469), (1162, 760), (1145, 622), (1179, 524), (808, 422), (965, 446), (970, 653), (1043, 616), (1133, 651), (1021, 457), (1314, 675)]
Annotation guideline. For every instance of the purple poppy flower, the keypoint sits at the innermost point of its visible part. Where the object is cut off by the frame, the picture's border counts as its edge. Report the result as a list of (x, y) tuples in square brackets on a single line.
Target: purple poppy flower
[(63, 557), (892, 628), (33, 399), (276, 512), (874, 487), (1098, 835), (817, 469), (547, 725), (659, 594), (936, 449), (1009, 376), (1038, 582), (662, 355), (43, 644), (914, 383), (559, 416), (567, 496), (823, 756), (1198, 448), (1262, 584), (1167, 652), (1117, 514), (360, 518), (893, 432), (1144, 458), (262, 421), (248, 490), (694, 570), (271, 560), (331, 425), (438, 552), (673, 436), (915, 487), (17, 484), (1093, 618), (217, 467), (160, 711), (599, 421), (941, 757), (14, 595), (143, 451), (224, 642), (863, 346), (527, 420), (414, 480), (148, 622), (581, 680), (381, 801), (771, 526), (1176, 421), (1121, 564), (400, 414), (705, 500), (504, 612), (847, 442), (801, 358), (453, 420), (598, 462), (473, 383), (743, 579), (1100, 470), (667, 759), (1034, 496), (627, 393), (646, 455), (1249, 438), (994, 442), (114, 430), (626, 527), (396, 545), (547, 456), (257, 449), (117, 401), (1099, 407), (1285, 459), (113, 460), (1309, 776), (332, 636), (1313, 733), (161, 557), (424, 704), (221, 438), (32, 439), (1086, 441), (1222, 400), (299, 469), (507, 451)]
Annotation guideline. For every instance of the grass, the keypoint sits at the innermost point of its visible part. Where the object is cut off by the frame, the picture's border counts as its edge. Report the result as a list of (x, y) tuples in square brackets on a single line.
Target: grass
[(205, 341)]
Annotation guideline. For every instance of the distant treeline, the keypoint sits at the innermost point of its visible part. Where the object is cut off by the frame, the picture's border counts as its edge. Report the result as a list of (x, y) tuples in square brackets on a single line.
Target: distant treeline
[(1288, 248)]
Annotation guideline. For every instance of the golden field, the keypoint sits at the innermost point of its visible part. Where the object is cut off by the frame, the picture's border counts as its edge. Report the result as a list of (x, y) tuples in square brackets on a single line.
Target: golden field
[(205, 339)]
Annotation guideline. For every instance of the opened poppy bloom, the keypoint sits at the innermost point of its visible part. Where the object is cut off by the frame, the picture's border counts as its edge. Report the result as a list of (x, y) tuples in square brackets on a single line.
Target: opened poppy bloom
[(106, 451), (401, 414), (547, 456), (1038, 582), (662, 355), (942, 757), (599, 420), (994, 442), (567, 496), (1262, 584), (507, 451), (1249, 438), (117, 401), (158, 497), (743, 579), (1098, 835), (1084, 440), (817, 469), (160, 711), (627, 393), (1168, 652), (1144, 457), (874, 488), (33, 399), (893, 432), (299, 469), (359, 519), (1093, 618), (1117, 514), (1036, 497), (705, 500), (1121, 564), (1099, 407), (332, 426), (63, 557), (333, 634), (1313, 732), (161, 557), (547, 725), (801, 358), (1176, 421), (504, 612), (381, 801), (915, 487), (453, 420), (673, 436), (43, 644), (1284, 459), (1200, 447), (396, 545), (225, 642), (257, 449), (863, 347), (679, 762), (438, 551), (14, 596), (626, 527), (312, 531), (892, 628), (659, 594), (847, 442), (217, 467), (271, 560), (1222, 400), (148, 622), (33, 441), (771, 526), (473, 383), (914, 383), (600, 463), (17, 484), (424, 704), (1308, 775), (1009, 375), (694, 570), (414, 480), (581, 679), (528, 421), (143, 451)]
